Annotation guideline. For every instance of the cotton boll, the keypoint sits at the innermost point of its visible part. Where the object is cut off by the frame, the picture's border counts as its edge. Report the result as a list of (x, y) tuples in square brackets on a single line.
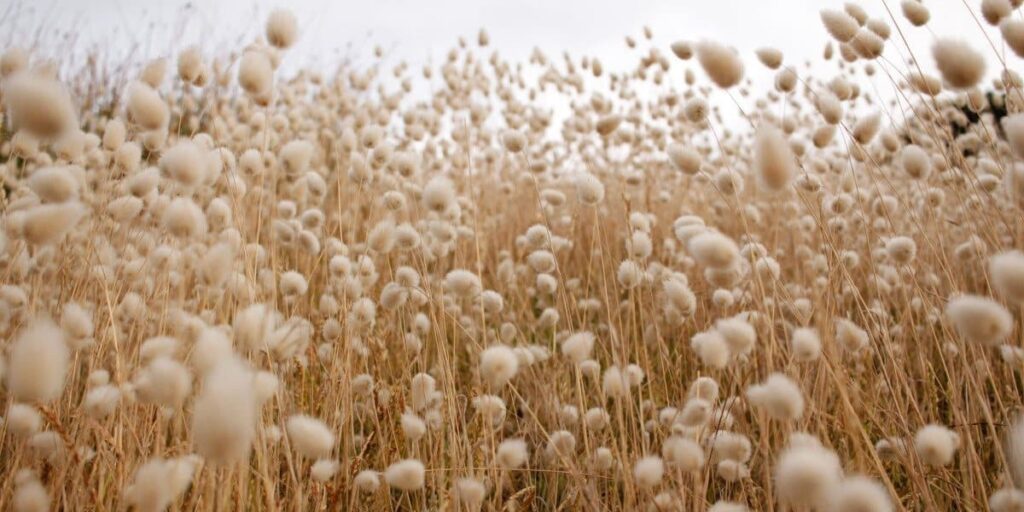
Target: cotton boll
[(775, 163), (648, 471), (980, 319), (861, 494), (405, 475), (225, 413), (37, 362), (309, 436), (721, 63), (778, 396), (936, 445), (1007, 273), (282, 28), (961, 66), (805, 476), (805, 344)]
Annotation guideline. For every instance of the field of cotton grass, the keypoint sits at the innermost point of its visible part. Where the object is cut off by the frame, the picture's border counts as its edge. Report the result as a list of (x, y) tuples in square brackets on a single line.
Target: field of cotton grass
[(230, 287)]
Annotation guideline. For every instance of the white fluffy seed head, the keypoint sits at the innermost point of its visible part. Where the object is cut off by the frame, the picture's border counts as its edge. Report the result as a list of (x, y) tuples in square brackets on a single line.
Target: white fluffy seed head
[(839, 24), (146, 108), (225, 413), (47, 224), (512, 453), (861, 494), (722, 63), (1007, 273), (774, 160), (684, 158), (498, 365), (778, 396), (54, 184), (309, 436), (589, 189), (713, 249), (980, 319), (578, 346), (282, 28), (185, 162), (40, 105), (961, 66), (256, 73), (915, 161), (936, 445), (1013, 126), (37, 362), (406, 475), (805, 344), (649, 471), (367, 481), (806, 474)]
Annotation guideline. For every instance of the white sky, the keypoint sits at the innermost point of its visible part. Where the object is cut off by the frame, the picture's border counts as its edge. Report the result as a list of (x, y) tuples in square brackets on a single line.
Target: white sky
[(414, 29), (419, 31)]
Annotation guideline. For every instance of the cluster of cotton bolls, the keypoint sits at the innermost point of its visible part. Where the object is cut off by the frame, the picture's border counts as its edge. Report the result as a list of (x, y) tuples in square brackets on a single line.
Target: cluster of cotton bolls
[(227, 286)]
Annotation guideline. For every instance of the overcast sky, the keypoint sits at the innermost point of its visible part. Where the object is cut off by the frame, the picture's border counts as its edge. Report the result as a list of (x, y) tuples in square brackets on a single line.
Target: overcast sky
[(416, 29), (421, 31)]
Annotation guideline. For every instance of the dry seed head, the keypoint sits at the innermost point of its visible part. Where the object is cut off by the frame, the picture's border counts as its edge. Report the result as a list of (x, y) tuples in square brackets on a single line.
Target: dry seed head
[(961, 66), (37, 362), (649, 471), (778, 396), (936, 445), (805, 475), (839, 24), (774, 159), (721, 63), (405, 475), (282, 28), (309, 436), (980, 319)]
